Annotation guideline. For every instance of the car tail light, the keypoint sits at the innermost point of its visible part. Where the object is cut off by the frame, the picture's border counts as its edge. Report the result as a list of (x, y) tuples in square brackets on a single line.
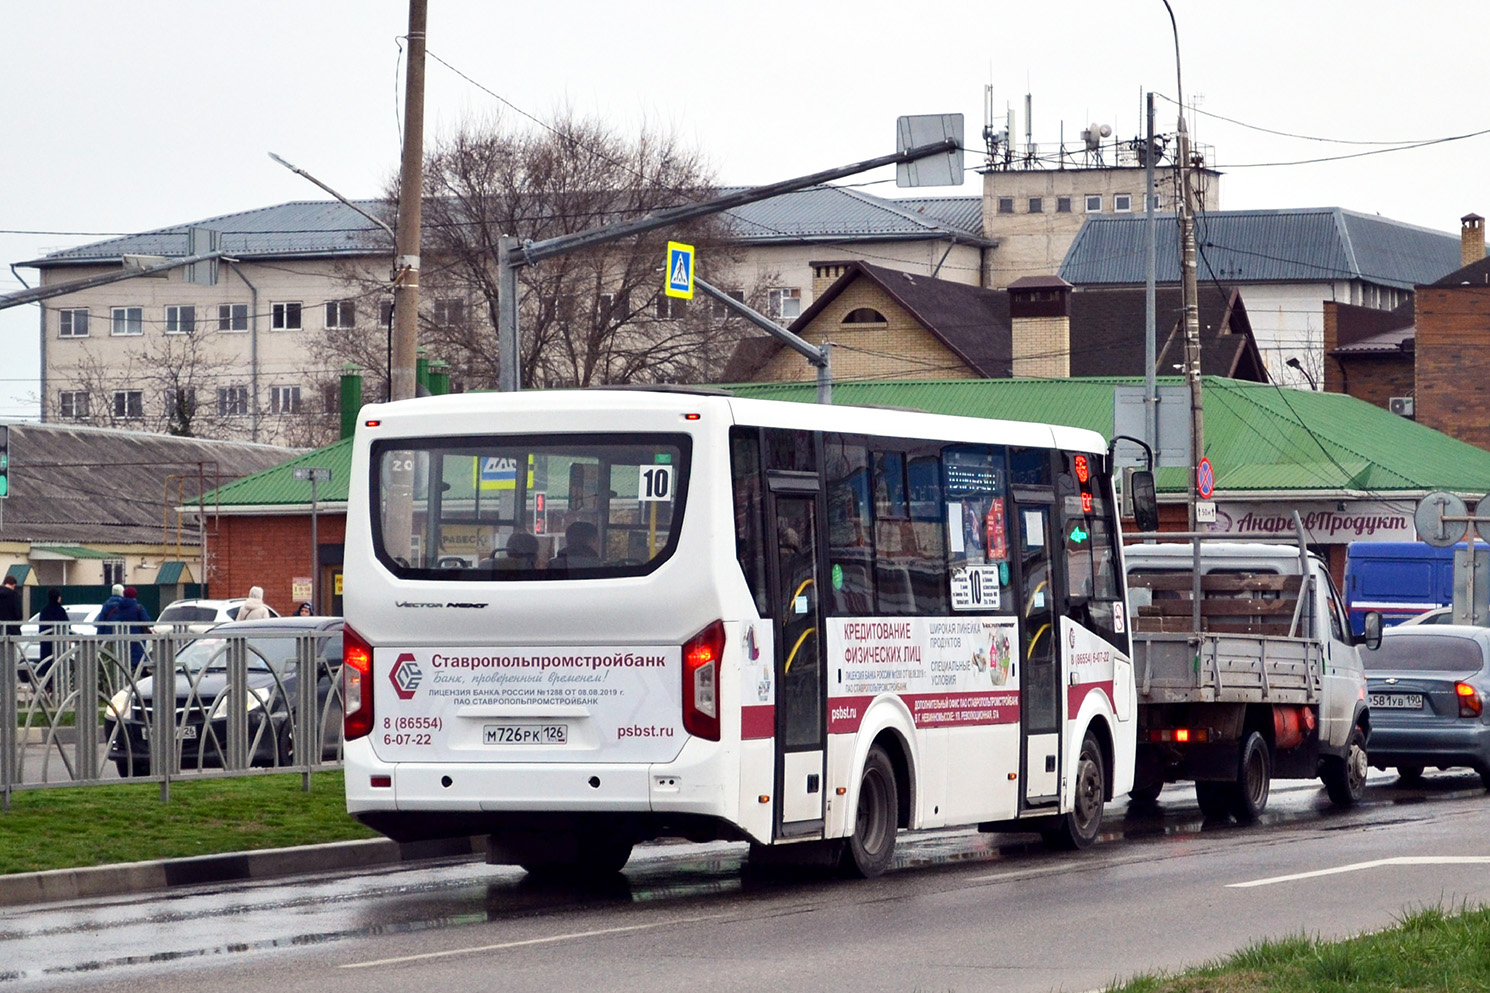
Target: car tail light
[(356, 685), (1180, 736), (1470, 704), (701, 655)]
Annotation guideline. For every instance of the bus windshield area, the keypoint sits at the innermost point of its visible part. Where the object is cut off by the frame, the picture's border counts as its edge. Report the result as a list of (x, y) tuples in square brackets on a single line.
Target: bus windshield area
[(528, 508)]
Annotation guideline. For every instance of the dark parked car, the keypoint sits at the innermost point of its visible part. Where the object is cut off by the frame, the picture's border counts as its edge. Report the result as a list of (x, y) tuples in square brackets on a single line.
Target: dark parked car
[(1427, 687), (205, 694)]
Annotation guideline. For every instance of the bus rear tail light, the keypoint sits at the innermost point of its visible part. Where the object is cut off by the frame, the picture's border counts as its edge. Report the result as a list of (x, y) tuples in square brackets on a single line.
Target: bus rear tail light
[(356, 685), (701, 655), (1470, 704)]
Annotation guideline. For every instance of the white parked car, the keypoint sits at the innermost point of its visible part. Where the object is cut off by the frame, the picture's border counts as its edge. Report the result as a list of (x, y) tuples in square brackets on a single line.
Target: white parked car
[(196, 616), (80, 617)]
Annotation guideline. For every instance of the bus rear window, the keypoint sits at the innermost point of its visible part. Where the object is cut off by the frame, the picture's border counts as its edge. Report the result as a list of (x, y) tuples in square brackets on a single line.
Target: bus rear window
[(529, 508)]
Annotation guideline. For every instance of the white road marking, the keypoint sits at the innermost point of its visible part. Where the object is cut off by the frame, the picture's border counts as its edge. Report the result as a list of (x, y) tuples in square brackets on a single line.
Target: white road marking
[(573, 936), (1375, 864)]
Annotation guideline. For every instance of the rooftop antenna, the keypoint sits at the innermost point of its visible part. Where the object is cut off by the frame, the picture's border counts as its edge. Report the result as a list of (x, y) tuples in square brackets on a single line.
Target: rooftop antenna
[(1029, 131)]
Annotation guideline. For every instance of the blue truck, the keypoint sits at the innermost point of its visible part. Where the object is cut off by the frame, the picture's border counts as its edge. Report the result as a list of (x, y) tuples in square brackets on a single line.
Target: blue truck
[(1400, 579)]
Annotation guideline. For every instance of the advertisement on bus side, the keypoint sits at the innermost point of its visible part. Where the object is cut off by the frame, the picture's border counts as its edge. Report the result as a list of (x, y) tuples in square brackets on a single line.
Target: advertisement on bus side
[(950, 671)]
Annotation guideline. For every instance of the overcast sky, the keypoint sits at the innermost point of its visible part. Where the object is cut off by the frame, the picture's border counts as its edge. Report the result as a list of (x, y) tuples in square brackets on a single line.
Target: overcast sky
[(122, 117)]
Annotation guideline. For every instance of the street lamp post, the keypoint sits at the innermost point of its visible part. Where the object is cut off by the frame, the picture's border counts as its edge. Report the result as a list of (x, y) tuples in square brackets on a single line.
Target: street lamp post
[(316, 475)]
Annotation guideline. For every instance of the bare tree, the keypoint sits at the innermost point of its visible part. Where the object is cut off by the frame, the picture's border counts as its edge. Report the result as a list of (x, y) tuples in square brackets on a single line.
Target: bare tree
[(588, 317), (168, 385)]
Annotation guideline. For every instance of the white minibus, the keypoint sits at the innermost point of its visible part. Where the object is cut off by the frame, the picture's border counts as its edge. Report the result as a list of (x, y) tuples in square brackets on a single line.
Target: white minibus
[(582, 619)]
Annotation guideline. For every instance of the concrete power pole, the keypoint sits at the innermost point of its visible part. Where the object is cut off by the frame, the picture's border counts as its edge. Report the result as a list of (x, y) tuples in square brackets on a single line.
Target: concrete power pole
[(1188, 288), (411, 182)]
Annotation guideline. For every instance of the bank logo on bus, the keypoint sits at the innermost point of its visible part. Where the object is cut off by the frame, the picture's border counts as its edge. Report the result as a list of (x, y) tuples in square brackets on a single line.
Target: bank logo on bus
[(405, 676)]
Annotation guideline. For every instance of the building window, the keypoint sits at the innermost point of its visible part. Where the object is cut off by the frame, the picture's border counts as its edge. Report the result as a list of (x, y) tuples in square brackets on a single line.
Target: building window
[(331, 399), (284, 400), (719, 310), (232, 317), (1006, 205), (385, 314), (613, 308), (671, 308), (1122, 202), (113, 571), (72, 405), (865, 315), (181, 405), (181, 320), (341, 315), (232, 401), (450, 313), (1094, 203), (785, 303), (73, 323), (128, 320), (129, 404), (1063, 205), (1037, 205), (285, 316)]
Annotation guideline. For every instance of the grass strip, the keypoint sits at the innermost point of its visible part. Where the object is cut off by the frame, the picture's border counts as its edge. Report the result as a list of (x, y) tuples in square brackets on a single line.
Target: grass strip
[(1428, 951), (73, 827)]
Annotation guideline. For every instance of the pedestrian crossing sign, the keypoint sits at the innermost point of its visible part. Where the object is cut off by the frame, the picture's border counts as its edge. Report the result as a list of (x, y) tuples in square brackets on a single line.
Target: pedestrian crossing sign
[(679, 270)]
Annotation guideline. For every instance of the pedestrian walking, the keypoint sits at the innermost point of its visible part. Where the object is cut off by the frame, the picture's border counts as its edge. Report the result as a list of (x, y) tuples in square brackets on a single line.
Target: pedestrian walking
[(130, 618), (254, 608), (11, 611), (53, 621)]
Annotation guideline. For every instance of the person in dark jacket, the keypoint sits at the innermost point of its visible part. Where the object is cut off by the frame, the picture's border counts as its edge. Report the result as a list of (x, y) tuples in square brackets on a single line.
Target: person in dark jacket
[(129, 618), (53, 621), (106, 612), (11, 611)]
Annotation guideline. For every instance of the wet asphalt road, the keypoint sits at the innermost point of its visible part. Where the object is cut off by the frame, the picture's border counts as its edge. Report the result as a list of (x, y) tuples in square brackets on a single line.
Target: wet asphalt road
[(961, 911)]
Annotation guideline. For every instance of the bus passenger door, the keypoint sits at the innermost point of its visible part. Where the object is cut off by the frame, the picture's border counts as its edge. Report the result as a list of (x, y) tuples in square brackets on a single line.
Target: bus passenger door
[(800, 689), (1039, 631)]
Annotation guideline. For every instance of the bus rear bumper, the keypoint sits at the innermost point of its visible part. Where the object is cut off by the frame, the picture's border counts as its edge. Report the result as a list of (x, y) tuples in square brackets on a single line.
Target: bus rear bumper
[(442, 799)]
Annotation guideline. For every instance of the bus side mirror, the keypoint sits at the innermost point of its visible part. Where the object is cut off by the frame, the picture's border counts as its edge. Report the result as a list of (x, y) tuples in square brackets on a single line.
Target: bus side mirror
[(1145, 500), (1373, 630)]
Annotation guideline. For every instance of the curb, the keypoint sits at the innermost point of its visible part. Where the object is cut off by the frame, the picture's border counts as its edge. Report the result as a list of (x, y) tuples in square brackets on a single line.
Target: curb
[(270, 863)]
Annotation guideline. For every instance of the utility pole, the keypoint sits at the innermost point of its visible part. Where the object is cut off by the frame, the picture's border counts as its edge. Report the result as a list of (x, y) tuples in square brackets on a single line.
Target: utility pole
[(1150, 335), (411, 182), (1188, 289)]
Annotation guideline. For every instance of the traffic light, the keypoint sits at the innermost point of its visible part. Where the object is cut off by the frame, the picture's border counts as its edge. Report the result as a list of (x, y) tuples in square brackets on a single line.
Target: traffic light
[(4, 461)]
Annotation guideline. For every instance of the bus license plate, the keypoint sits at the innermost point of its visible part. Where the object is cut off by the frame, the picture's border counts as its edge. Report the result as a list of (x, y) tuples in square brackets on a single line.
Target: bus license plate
[(1397, 701), (525, 734)]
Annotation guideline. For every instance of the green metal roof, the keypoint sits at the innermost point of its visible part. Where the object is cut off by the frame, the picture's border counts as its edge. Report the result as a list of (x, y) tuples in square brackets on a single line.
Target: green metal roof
[(75, 551), (279, 487), (170, 573), (1259, 437), (21, 572)]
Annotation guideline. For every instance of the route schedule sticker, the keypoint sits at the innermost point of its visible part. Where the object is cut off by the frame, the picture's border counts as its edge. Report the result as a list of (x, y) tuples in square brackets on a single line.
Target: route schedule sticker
[(558, 704)]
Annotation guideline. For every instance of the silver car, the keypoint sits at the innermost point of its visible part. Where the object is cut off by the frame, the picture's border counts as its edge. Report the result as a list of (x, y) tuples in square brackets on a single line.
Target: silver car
[(1427, 687)]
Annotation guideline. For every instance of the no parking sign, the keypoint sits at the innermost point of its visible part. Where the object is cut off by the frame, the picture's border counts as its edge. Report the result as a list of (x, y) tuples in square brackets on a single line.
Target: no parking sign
[(1205, 479)]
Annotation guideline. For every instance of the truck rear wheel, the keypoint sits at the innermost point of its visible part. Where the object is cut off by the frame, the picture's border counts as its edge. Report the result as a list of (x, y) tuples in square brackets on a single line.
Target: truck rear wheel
[(1345, 778), (1214, 799), (1249, 794)]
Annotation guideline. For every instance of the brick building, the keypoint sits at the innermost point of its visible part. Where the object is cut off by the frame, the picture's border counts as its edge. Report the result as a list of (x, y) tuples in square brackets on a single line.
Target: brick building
[(1427, 360)]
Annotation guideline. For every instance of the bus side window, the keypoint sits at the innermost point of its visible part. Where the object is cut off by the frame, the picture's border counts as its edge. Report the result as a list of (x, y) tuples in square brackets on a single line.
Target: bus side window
[(850, 527), (747, 476)]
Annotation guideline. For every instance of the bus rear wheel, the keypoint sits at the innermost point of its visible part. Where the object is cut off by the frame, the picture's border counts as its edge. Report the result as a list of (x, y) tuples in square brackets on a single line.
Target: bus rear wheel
[(871, 847)]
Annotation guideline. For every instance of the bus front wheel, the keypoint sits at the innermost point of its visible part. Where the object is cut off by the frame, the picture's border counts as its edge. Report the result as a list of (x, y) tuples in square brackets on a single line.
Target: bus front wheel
[(872, 846)]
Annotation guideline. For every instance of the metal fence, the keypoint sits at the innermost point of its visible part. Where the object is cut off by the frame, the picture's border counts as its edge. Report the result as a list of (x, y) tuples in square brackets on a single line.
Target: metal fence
[(85, 709)]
